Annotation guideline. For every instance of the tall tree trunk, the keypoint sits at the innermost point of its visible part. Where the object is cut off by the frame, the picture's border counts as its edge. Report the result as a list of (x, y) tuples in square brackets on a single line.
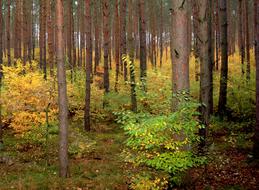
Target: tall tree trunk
[(211, 54), (224, 58), (106, 38), (62, 93), (69, 36), (247, 40), (217, 36), (195, 10), (82, 35), (97, 37), (180, 55), (17, 30), (50, 37), (25, 31), (203, 35), (1, 74), (88, 25), (161, 32), (143, 45), (8, 25), (240, 35), (43, 49), (256, 36), (117, 44), (131, 55), (123, 43)]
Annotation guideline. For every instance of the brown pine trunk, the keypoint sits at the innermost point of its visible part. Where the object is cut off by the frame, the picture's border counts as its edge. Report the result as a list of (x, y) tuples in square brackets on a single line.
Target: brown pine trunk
[(8, 25), (106, 39), (256, 36), (203, 34), (62, 93), (217, 36), (161, 32), (43, 50), (69, 36), (1, 74), (123, 43), (224, 59), (88, 64), (143, 45), (131, 55), (17, 30), (240, 35), (247, 41), (180, 53), (50, 37), (117, 44), (97, 37), (25, 31), (195, 10)]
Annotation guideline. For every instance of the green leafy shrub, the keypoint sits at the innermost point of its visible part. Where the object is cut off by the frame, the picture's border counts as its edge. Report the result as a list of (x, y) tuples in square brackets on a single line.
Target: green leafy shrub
[(163, 142)]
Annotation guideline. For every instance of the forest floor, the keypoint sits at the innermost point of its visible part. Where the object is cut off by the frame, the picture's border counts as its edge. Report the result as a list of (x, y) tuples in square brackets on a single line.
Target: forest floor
[(24, 166)]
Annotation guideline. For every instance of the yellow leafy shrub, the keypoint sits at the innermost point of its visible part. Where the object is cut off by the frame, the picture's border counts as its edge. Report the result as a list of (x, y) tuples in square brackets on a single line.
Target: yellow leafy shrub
[(26, 95)]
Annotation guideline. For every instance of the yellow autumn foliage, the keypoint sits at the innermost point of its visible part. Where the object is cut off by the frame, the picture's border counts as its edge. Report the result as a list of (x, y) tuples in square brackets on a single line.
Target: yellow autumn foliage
[(26, 96)]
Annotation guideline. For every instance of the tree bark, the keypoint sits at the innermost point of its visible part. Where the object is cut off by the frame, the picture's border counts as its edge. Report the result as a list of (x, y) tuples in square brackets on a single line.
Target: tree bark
[(1, 73), (240, 35), (131, 55), (123, 39), (8, 25), (224, 58), (143, 45), (203, 34), (88, 25), (256, 36), (161, 32), (117, 44), (97, 37), (248, 69), (106, 38), (180, 56), (62, 93), (50, 38)]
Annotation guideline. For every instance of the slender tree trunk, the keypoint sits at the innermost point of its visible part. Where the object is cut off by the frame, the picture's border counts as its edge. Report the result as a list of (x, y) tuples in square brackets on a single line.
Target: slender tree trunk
[(82, 35), (8, 32), (117, 44), (25, 31), (205, 64), (123, 43), (224, 58), (180, 54), (62, 93), (106, 38), (69, 47), (247, 41), (1, 73), (217, 36), (143, 45), (131, 55), (88, 25), (161, 32), (50, 38), (241, 38), (211, 54), (33, 34), (195, 10), (256, 36), (97, 37)]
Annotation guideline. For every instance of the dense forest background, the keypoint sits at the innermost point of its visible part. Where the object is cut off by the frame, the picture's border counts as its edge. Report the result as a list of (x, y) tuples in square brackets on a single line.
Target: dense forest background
[(129, 94)]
